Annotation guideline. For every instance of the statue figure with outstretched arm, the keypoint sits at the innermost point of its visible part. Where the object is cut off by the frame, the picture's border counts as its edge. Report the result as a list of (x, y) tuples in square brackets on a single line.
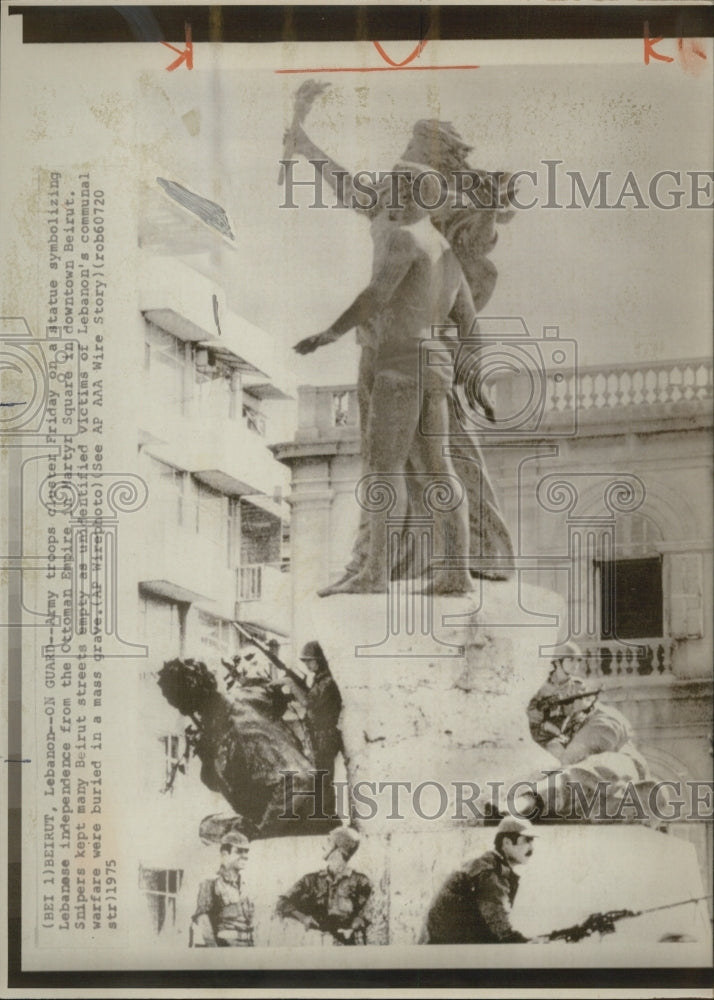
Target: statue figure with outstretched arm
[(416, 285), (470, 231)]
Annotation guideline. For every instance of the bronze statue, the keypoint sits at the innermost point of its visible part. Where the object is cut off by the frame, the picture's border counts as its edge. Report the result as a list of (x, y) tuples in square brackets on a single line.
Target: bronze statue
[(430, 268), (244, 750)]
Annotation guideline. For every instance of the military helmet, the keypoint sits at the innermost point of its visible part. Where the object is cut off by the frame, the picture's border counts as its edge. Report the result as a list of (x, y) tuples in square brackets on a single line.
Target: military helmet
[(569, 649), (311, 651), (235, 839), (518, 825), (345, 840)]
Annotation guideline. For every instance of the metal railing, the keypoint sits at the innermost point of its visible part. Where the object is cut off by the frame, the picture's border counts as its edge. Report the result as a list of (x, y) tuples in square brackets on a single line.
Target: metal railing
[(250, 582)]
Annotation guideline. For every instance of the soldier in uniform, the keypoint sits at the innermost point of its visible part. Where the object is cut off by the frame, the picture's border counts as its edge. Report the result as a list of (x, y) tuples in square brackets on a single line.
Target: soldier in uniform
[(474, 904), (323, 704), (547, 718), (334, 899), (601, 768), (224, 915)]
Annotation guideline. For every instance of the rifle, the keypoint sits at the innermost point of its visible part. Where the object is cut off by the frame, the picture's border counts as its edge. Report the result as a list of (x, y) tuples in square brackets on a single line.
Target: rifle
[(552, 701), (275, 660), (604, 923)]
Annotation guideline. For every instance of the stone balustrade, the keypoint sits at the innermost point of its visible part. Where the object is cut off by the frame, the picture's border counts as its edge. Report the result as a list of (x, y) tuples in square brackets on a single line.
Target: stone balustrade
[(630, 385), (644, 658), (591, 389)]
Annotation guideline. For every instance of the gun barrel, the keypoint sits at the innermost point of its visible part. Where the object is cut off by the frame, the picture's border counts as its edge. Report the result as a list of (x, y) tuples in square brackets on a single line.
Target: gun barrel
[(681, 902), (552, 700), (604, 922)]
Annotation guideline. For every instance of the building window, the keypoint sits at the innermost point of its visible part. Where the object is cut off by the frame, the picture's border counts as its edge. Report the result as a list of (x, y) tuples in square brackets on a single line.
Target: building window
[(161, 886), (212, 518), (631, 601), (234, 533), (261, 536), (636, 536), (171, 490), (174, 751)]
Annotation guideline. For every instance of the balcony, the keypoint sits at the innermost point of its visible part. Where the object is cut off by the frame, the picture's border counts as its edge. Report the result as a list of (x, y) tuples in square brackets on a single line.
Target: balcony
[(250, 582), (639, 660), (597, 395), (224, 454), (192, 307)]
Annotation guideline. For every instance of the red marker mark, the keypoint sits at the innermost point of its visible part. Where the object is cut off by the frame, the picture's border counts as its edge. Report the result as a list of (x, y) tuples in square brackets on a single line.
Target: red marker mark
[(185, 56), (405, 62), (391, 66), (690, 55), (372, 69), (649, 47)]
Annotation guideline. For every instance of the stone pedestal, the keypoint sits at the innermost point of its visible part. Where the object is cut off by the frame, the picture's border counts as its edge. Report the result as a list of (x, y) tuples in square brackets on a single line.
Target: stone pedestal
[(434, 695)]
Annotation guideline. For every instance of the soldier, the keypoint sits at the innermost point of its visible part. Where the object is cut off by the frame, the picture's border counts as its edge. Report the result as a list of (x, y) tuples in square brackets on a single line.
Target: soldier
[(547, 718), (601, 768), (599, 729), (224, 915), (474, 904), (332, 900), (323, 704)]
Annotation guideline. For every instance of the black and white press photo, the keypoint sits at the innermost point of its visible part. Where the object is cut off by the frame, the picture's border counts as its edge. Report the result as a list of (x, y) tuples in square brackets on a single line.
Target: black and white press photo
[(356, 412)]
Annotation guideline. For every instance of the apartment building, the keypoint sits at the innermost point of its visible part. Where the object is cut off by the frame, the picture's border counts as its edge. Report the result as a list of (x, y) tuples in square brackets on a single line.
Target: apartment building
[(212, 542)]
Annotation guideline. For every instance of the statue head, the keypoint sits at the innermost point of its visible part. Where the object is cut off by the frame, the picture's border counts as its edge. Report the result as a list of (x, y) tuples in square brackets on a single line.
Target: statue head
[(420, 190), (438, 145), (187, 685)]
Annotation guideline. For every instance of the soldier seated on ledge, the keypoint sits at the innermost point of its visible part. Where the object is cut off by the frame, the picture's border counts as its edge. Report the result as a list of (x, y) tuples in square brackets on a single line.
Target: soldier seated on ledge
[(332, 900)]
